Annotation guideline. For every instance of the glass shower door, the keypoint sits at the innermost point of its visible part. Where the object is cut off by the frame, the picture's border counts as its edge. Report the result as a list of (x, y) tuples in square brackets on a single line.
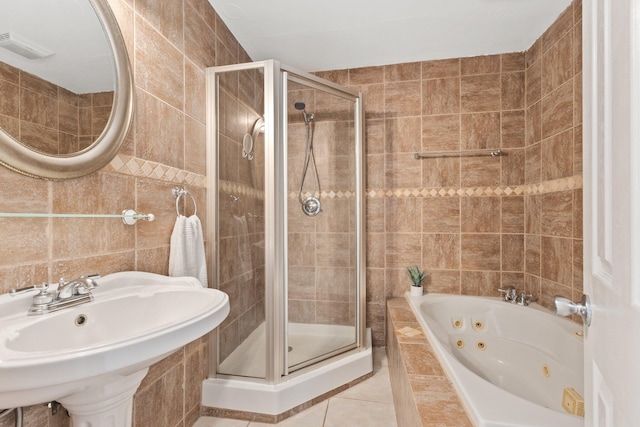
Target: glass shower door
[(321, 222), (241, 220)]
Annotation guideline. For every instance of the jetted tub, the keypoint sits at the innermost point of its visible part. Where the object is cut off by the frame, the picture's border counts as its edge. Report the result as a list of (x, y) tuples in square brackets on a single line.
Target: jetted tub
[(509, 363)]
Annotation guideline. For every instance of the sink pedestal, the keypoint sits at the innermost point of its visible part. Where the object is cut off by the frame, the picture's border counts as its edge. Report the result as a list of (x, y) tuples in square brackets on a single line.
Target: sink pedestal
[(106, 405)]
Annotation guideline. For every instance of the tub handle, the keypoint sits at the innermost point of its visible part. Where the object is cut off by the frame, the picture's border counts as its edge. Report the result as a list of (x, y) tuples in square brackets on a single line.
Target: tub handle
[(510, 294), (525, 298), (566, 307)]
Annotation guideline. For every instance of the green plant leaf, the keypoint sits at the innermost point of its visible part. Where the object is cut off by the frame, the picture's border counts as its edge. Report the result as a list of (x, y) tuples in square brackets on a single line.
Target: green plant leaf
[(416, 275)]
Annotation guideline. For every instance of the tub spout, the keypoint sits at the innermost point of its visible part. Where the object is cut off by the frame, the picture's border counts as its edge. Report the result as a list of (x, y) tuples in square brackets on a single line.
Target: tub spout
[(566, 307)]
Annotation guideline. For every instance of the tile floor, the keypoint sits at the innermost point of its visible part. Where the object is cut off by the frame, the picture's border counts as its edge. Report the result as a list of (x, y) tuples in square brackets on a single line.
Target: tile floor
[(368, 404)]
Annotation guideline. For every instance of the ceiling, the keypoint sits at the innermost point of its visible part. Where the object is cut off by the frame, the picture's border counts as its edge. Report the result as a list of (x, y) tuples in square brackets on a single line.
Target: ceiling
[(338, 34)]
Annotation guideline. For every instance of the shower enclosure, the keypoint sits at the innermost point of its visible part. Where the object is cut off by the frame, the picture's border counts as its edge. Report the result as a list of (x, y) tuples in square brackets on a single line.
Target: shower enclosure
[(285, 168)]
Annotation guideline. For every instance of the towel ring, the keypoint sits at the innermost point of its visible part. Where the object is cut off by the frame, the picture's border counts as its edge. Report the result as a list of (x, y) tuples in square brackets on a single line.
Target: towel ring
[(178, 193)]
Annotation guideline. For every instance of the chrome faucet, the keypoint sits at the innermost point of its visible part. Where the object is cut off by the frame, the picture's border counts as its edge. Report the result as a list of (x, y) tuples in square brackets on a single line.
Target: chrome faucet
[(509, 294), (525, 298), (80, 286), (68, 294)]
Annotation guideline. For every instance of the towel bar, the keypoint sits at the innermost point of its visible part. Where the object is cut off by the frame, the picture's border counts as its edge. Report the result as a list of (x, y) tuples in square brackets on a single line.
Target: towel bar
[(478, 153)]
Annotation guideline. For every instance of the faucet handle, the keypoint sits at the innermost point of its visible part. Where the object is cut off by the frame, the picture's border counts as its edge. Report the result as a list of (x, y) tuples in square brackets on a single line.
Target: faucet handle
[(42, 287), (525, 298), (509, 294), (91, 280)]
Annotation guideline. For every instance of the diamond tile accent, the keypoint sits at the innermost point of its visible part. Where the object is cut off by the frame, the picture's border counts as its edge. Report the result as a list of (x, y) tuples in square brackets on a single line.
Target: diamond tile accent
[(409, 332), (146, 169), (117, 163), (133, 166), (570, 183)]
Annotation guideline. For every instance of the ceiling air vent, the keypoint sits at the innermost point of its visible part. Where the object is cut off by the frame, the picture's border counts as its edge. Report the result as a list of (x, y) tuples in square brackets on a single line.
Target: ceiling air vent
[(22, 46)]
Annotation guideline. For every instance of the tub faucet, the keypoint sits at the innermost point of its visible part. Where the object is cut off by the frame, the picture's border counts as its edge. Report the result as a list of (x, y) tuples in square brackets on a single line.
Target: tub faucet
[(509, 294)]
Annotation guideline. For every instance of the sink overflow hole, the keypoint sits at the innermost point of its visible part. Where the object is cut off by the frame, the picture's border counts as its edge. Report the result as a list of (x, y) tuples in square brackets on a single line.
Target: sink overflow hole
[(81, 319), (290, 349)]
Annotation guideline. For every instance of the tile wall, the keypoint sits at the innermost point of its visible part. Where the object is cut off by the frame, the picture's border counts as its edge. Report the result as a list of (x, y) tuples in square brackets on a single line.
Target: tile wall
[(475, 223), (553, 140), (170, 44), (50, 118), (241, 207), (322, 280), (460, 218)]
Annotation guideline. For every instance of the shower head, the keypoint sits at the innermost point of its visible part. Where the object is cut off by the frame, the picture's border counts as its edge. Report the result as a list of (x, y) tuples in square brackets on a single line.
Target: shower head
[(307, 116)]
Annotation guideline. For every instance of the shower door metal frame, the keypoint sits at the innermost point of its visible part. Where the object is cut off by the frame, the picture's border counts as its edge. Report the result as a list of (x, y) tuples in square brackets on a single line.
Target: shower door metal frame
[(275, 207), (309, 80)]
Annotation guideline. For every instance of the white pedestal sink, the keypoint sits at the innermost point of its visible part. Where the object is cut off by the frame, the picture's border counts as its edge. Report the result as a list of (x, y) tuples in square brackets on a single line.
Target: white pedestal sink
[(91, 358)]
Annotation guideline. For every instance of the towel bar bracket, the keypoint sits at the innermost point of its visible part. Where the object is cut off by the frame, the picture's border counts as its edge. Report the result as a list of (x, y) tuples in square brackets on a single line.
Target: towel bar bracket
[(130, 217)]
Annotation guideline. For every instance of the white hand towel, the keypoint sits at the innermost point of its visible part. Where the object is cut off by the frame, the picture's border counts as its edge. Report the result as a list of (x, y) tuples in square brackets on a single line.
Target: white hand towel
[(186, 254)]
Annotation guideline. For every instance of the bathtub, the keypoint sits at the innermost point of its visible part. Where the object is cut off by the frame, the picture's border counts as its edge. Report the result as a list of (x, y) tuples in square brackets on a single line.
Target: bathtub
[(508, 363)]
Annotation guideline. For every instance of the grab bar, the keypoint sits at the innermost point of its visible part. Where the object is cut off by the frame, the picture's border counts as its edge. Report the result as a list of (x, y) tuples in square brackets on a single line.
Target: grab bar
[(478, 153)]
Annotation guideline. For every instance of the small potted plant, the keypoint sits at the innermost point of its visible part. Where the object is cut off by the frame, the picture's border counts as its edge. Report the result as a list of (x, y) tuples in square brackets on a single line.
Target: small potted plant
[(417, 277)]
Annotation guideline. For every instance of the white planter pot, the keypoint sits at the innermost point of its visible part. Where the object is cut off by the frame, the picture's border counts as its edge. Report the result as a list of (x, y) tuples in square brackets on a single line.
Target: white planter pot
[(416, 291)]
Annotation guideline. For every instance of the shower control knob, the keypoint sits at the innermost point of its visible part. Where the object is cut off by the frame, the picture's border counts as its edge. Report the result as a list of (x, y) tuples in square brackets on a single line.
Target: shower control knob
[(311, 206)]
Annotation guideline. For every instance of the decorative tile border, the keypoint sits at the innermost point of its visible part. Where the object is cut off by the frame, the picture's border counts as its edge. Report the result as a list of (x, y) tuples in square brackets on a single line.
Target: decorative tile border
[(564, 184), (238, 189), (325, 194), (129, 165)]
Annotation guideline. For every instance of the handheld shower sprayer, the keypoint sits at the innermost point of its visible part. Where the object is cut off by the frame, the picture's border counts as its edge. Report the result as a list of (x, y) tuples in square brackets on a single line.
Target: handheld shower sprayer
[(310, 205), (308, 117)]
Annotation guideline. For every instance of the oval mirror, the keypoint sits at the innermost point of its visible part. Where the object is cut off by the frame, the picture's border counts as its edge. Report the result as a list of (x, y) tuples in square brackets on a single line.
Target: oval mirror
[(66, 87)]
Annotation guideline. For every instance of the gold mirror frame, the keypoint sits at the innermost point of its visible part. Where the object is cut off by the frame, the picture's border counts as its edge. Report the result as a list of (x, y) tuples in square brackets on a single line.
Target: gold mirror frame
[(23, 159)]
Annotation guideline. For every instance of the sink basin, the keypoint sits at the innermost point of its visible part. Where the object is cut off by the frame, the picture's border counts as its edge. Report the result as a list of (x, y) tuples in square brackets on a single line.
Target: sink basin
[(135, 320)]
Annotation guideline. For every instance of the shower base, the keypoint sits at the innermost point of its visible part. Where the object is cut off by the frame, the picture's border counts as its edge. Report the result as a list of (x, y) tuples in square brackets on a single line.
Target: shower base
[(305, 342), (253, 395)]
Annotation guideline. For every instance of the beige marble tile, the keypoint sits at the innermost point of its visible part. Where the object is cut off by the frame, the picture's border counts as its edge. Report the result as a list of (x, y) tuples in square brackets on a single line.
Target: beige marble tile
[(312, 417), (441, 68), (485, 64), (402, 72), (359, 413), (375, 389), (220, 422), (438, 403)]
